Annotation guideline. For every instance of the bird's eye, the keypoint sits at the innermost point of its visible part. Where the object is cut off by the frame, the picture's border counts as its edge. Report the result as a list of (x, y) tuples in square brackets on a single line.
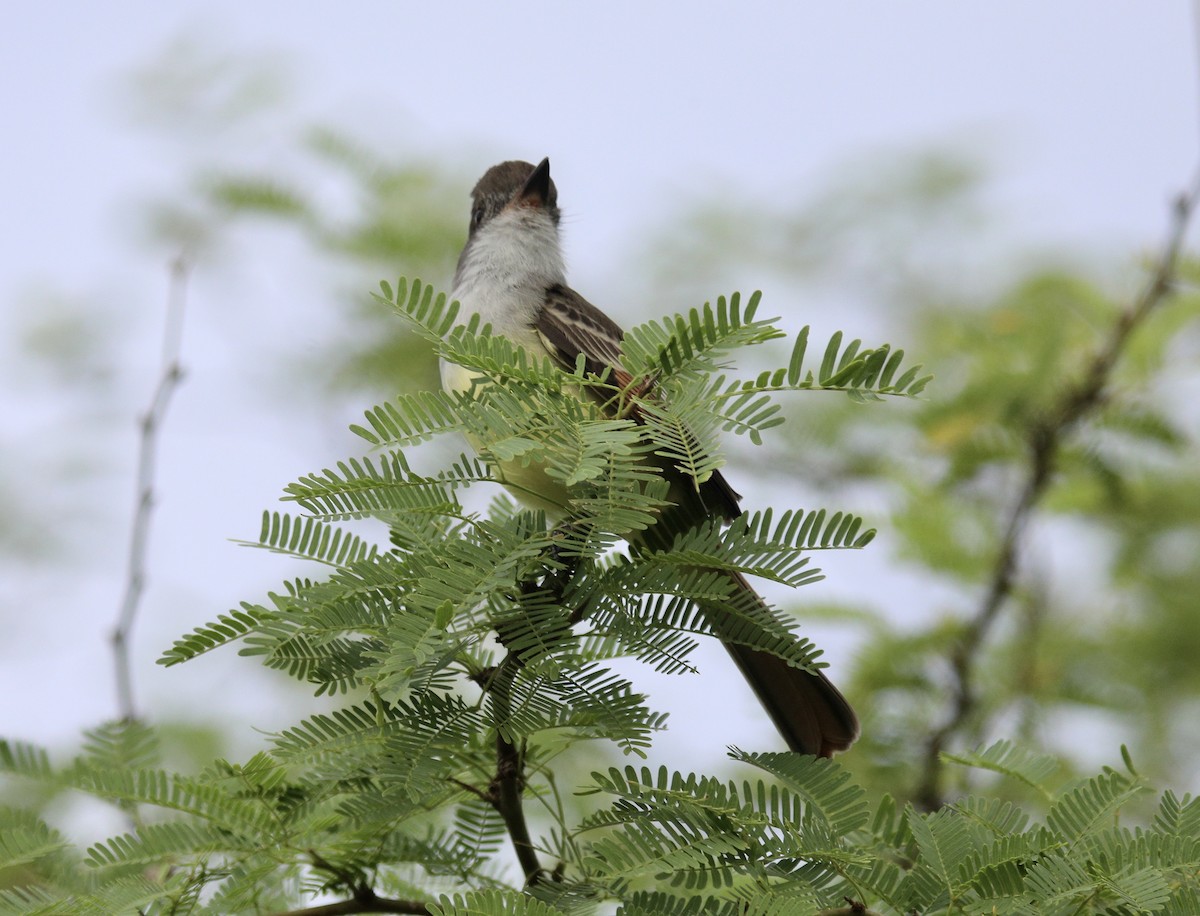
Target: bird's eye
[(477, 217)]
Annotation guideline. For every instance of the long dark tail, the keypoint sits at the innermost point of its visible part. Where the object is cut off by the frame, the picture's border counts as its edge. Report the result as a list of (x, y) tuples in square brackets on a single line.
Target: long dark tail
[(810, 713)]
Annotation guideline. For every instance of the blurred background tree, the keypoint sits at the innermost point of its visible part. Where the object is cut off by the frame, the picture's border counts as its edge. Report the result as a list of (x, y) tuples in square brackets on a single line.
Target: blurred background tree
[(1096, 636), (1093, 645)]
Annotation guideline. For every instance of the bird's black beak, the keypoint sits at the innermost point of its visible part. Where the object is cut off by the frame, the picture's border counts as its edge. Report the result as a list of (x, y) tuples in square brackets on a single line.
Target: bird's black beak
[(536, 189)]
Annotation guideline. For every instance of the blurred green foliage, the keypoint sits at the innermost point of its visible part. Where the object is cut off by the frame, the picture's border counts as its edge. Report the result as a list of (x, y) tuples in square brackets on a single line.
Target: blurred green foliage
[(401, 210), (1100, 619), (1100, 635), (1101, 625)]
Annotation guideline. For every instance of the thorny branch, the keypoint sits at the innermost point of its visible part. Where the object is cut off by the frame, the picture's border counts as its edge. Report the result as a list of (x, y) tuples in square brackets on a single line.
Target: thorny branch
[(151, 422), (1044, 440)]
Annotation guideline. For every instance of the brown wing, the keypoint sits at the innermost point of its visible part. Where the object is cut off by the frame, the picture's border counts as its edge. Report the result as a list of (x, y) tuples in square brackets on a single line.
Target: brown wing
[(569, 325)]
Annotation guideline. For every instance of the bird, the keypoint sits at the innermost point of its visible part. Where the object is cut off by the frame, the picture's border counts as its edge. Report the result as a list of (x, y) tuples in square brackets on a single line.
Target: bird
[(511, 273)]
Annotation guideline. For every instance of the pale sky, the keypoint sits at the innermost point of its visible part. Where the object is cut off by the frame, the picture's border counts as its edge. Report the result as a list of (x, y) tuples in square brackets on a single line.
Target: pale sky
[(1085, 110)]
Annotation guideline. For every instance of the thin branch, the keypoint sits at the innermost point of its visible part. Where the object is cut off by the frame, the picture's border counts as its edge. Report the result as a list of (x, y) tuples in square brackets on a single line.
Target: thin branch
[(508, 786), (852, 908), (364, 901), (474, 790), (1045, 438), (150, 424)]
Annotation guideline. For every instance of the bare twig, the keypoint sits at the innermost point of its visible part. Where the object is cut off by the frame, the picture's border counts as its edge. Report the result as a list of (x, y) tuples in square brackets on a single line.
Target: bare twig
[(150, 424), (1044, 440)]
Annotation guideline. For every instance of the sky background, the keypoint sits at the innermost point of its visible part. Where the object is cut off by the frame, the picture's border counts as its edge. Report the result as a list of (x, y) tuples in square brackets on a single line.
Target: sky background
[(1084, 112)]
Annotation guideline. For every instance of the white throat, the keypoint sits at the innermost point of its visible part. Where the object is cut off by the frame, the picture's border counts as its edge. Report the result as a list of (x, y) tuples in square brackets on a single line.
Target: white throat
[(506, 269)]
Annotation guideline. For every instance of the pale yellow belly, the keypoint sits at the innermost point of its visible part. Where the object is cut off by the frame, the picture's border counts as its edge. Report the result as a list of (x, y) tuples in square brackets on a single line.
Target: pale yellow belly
[(526, 480)]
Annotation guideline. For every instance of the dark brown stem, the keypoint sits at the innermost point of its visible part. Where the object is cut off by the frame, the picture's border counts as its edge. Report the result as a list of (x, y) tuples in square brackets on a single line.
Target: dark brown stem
[(364, 901), (852, 908), (1044, 440), (508, 786)]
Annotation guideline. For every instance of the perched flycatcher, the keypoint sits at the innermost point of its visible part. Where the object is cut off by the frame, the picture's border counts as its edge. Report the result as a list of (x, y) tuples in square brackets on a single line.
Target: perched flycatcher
[(511, 274)]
